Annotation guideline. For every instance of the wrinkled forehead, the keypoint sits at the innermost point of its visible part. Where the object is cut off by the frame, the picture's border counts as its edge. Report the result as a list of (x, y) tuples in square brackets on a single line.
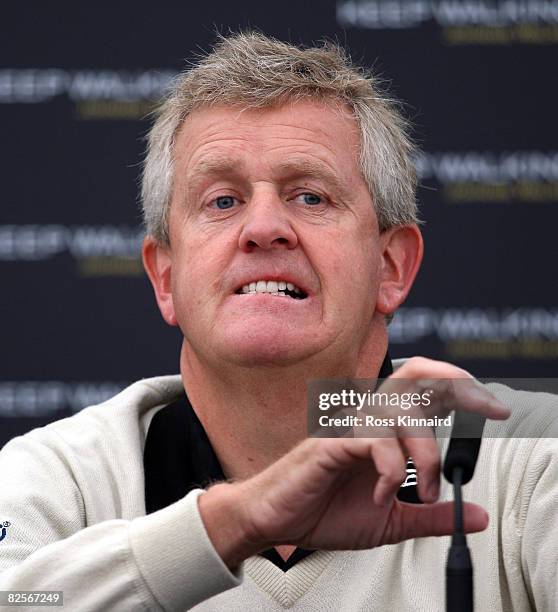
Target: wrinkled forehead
[(210, 138)]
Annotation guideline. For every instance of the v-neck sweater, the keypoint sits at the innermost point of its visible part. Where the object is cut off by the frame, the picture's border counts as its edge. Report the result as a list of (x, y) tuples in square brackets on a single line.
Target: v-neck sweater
[(74, 495), (178, 457)]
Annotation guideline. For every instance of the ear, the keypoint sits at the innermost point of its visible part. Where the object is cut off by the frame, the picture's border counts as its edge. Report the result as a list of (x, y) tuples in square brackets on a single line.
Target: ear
[(401, 258), (157, 262)]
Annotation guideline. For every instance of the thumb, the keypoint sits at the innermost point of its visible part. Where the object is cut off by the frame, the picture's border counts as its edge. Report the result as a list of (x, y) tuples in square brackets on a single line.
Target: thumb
[(421, 520)]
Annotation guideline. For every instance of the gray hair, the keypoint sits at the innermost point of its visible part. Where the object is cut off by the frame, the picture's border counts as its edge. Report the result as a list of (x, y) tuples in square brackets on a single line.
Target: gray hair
[(252, 70)]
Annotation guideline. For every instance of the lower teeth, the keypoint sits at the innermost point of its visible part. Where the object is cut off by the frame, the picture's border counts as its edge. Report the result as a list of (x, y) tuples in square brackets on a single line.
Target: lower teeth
[(279, 293)]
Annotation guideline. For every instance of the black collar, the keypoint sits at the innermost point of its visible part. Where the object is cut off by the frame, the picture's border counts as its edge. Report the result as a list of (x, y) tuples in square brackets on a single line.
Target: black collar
[(178, 457)]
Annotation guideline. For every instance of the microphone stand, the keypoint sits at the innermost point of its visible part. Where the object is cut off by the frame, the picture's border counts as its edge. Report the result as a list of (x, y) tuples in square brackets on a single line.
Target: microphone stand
[(459, 466), (459, 569)]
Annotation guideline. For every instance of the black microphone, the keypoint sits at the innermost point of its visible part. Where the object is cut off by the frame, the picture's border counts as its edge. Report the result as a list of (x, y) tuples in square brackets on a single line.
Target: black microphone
[(459, 466), (464, 445)]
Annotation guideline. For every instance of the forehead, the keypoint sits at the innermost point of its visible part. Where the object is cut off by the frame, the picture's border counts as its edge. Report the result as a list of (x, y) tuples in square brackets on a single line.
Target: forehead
[(326, 132)]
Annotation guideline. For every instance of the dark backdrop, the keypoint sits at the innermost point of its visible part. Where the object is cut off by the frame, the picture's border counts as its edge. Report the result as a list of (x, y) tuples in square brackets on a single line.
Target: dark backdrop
[(78, 318)]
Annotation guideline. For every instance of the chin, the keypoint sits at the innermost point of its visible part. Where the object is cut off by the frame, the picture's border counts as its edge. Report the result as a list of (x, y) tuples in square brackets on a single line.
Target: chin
[(267, 350)]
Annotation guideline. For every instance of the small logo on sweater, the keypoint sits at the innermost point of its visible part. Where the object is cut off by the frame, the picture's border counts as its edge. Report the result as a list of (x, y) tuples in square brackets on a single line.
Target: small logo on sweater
[(411, 478), (4, 529)]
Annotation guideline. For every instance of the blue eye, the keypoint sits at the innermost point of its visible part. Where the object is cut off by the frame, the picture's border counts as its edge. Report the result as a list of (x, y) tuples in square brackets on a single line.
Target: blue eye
[(224, 202), (314, 199)]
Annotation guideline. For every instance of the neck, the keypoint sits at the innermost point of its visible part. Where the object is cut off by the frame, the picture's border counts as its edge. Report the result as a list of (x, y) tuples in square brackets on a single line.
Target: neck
[(254, 415)]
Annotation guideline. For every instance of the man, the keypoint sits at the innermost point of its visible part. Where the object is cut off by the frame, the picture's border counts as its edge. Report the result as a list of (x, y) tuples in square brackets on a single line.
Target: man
[(281, 236)]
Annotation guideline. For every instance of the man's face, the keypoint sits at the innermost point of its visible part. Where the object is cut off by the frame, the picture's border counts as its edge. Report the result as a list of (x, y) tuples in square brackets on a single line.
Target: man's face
[(272, 195)]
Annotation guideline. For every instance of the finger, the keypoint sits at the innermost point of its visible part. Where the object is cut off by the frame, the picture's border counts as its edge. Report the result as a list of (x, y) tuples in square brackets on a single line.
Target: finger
[(417, 442), (472, 397), (421, 367), (475, 397), (415, 521), (390, 463)]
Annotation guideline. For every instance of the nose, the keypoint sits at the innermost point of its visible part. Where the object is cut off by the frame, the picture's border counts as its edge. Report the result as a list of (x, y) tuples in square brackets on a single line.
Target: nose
[(266, 224)]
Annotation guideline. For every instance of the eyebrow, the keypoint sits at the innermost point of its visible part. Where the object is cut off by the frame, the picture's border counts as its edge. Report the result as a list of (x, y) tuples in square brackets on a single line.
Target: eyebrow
[(293, 167)]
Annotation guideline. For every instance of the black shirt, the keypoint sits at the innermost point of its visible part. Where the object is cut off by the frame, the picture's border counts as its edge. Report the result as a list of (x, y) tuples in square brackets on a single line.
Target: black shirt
[(178, 458)]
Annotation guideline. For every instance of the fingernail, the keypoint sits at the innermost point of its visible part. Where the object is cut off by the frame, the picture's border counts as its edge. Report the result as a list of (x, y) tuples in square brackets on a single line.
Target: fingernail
[(496, 405), (434, 491), (381, 498)]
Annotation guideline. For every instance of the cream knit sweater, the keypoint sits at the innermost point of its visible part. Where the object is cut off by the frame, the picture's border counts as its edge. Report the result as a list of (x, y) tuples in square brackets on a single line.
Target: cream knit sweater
[(73, 492)]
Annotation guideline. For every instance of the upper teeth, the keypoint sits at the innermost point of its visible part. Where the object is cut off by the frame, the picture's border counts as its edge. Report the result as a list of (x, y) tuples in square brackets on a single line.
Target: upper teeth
[(263, 286)]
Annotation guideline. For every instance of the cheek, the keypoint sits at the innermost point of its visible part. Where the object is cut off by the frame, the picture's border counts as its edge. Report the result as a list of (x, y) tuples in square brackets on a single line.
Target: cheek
[(359, 277), (348, 280), (187, 281), (197, 275)]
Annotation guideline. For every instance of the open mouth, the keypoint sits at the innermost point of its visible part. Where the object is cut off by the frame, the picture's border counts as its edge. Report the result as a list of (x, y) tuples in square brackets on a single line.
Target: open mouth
[(277, 288)]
